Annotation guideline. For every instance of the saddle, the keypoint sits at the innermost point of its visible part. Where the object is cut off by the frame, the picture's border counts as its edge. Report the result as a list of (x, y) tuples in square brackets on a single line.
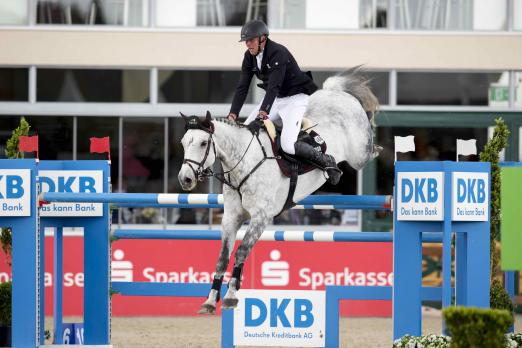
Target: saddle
[(292, 166), (287, 163)]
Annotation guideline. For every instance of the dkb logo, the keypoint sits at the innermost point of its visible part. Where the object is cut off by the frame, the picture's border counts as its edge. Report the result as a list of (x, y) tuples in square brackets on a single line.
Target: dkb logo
[(68, 183), (13, 187), (421, 190), (471, 190), (256, 312)]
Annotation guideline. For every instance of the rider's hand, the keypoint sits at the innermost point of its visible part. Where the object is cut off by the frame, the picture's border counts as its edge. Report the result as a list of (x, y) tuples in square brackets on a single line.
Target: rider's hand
[(255, 125), (262, 115), (232, 117)]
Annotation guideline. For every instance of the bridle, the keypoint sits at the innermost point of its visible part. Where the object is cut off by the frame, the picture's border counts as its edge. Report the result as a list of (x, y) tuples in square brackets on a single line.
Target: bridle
[(201, 173)]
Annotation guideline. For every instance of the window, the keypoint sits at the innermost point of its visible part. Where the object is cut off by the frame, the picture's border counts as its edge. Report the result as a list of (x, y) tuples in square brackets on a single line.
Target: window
[(431, 144), (55, 135), (143, 164), (14, 84), (517, 15), (193, 13), (451, 15), (13, 12), (7, 125), (431, 88), (93, 12), (373, 14), (99, 127), (189, 86), (87, 85)]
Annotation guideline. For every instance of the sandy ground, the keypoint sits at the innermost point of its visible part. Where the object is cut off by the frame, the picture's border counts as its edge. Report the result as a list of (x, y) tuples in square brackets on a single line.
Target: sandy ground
[(205, 331)]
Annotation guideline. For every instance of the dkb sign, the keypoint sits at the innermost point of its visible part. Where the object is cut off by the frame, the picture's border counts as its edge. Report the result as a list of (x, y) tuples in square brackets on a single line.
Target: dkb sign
[(15, 192), (280, 318), (420, 196), (78, 181), (470, 196)]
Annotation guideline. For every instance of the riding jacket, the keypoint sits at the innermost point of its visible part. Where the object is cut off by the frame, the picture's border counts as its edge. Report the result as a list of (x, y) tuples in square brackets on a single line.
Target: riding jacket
[(279, 72)]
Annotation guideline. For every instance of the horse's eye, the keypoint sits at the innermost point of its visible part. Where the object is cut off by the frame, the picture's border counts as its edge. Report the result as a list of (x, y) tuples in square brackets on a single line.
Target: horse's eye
[(203, 143)]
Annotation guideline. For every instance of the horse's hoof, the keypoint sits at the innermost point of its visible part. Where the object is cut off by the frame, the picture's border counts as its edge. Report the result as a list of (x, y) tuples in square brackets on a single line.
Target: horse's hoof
[(207, 309), (229, 303)]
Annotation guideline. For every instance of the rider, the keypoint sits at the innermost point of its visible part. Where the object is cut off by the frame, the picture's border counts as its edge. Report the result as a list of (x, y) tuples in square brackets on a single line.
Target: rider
[(287, 92)]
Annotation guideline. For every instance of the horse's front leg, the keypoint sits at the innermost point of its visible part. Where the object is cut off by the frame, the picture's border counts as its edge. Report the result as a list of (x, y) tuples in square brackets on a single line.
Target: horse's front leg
[(257, 225), (233, 218)]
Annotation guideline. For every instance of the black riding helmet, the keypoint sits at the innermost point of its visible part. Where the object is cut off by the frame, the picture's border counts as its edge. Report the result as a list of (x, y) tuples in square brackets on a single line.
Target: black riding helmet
[(252, 29)]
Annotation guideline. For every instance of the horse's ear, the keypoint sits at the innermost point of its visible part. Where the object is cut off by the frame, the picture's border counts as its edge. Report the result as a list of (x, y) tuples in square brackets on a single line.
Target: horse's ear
[(185, 118), (208, 117)]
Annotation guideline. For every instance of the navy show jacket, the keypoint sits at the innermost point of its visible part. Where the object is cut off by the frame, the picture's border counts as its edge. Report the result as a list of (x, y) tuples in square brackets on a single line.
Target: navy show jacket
[(279, 72)]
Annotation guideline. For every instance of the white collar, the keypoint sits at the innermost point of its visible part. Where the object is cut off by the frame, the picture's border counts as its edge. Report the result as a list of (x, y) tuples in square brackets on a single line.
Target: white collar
[(259, 59)]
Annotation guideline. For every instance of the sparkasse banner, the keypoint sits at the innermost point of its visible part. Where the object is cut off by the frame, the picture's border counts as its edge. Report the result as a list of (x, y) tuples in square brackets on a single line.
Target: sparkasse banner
[(286, 318), (271, 265)]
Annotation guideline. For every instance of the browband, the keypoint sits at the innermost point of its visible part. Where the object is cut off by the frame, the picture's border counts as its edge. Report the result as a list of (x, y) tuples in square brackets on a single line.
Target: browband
[(193, 122)]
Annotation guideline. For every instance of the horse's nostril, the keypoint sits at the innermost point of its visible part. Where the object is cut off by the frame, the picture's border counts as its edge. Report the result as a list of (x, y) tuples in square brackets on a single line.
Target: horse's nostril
[(188, 180)]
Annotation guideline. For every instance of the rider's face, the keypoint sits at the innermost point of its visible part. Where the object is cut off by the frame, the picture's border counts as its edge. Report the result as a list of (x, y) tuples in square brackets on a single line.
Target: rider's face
[(253, 45)]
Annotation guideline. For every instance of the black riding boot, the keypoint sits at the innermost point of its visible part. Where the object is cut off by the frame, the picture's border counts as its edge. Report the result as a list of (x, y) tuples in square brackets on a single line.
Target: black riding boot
[(307, 152)]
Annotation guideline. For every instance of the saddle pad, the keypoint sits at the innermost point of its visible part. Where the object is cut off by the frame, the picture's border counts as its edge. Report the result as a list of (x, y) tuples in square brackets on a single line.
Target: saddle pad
[(286, 161)]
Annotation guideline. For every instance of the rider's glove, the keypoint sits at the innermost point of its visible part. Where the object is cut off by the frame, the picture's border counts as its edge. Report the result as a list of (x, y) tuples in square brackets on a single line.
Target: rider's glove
[(232, 117), (255, 125), (262, 115)]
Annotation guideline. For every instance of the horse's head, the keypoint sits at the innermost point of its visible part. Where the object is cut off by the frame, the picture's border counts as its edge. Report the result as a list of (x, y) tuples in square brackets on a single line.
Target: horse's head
[(200, 151)]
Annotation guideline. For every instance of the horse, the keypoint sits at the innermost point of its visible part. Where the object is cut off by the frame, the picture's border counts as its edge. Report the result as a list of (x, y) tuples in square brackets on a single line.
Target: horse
[(254, 188)]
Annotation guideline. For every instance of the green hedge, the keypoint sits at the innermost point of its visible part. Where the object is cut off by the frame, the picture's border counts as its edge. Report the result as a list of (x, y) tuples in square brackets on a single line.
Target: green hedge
[(5, 304), (477, 327)]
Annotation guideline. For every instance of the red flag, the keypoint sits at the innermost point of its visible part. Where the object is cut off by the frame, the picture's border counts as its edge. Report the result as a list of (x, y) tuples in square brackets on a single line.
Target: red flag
[(101, 145), (28, 144)]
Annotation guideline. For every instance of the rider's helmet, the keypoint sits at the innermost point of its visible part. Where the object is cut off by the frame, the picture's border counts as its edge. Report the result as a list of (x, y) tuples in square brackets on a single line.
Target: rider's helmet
[(252, 29)]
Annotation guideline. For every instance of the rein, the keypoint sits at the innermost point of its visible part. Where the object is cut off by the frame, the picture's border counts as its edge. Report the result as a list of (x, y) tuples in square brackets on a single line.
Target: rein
[(221, 176)]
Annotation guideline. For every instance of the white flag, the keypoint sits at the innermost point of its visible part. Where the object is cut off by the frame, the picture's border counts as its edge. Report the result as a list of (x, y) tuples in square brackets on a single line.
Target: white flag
[(466, 147), (404, 144)]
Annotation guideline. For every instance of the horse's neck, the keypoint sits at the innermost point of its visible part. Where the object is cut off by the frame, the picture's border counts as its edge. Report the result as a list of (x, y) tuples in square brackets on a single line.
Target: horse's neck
[(231, 144)]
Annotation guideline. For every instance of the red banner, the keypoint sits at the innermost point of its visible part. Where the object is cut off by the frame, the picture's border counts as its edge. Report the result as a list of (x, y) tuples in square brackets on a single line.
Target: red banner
[(272, 265)]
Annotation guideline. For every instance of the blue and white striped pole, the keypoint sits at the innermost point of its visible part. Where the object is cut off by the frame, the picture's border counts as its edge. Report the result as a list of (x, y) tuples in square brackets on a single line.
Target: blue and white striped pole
[(269, 235), (181, 200)]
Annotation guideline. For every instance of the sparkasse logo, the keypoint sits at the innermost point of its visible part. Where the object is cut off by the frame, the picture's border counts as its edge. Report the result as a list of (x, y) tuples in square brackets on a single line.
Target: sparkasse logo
[(275, 272)]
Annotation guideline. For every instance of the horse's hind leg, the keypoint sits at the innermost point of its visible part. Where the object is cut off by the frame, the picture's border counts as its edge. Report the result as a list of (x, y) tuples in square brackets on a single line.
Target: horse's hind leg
[(232, 220), (257, 225)]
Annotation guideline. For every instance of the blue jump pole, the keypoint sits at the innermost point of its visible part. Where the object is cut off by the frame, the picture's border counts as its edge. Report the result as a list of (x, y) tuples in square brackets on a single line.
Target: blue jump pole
[(288, 236), (169, 199), (220, 206)]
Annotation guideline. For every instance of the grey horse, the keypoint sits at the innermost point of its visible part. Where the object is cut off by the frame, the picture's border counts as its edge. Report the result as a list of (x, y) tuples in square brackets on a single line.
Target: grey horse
[(342, 111)]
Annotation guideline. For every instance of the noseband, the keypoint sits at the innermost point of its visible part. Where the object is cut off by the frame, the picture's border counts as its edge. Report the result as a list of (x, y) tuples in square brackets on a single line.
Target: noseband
[(200, 172)]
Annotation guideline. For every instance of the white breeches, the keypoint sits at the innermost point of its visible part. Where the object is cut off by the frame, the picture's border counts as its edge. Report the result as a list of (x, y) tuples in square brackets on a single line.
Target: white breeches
[(290, 110)]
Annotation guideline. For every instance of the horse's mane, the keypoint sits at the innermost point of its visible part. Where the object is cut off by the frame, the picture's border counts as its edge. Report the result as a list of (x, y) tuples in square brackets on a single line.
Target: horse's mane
[(229, 123)]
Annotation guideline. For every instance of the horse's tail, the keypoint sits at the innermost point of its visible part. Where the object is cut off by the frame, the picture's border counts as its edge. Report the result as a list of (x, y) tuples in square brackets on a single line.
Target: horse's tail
[(355, 83)]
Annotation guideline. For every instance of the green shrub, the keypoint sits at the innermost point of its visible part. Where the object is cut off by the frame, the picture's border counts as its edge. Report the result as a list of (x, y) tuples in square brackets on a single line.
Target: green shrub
[(499, 298), (5, 304), (491, 153), (477, 327)]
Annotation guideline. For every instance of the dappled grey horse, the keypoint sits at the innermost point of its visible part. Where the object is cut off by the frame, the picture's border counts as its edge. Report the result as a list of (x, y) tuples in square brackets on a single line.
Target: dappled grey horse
[(254, 188)]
